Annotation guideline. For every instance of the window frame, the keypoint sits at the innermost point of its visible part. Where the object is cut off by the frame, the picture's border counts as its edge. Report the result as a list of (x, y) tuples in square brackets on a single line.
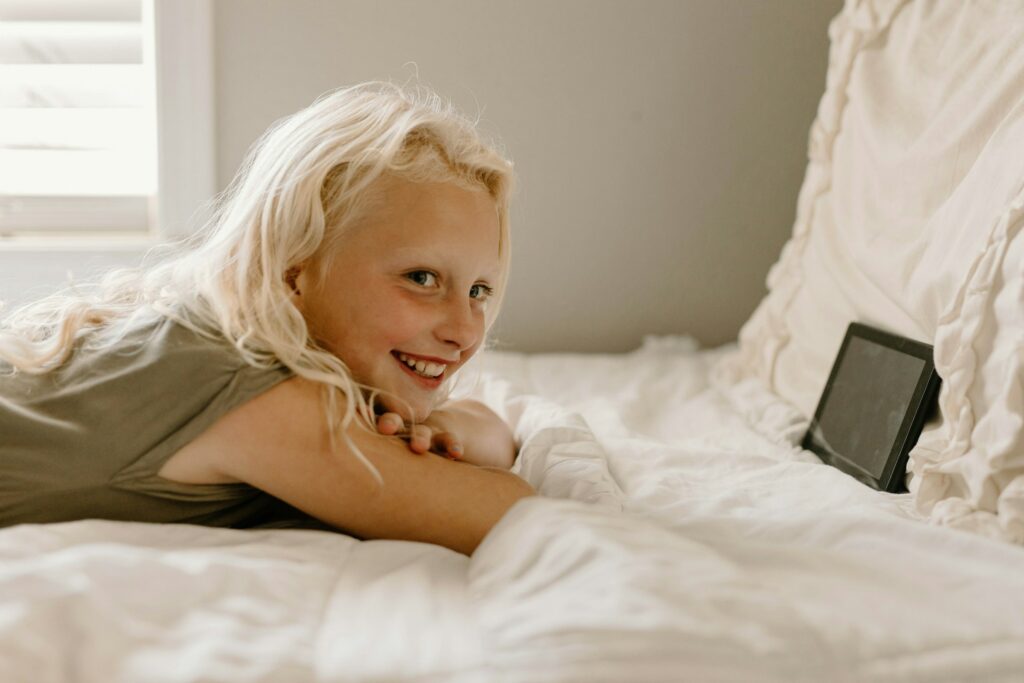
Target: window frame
[(186, 168), (182, 32)]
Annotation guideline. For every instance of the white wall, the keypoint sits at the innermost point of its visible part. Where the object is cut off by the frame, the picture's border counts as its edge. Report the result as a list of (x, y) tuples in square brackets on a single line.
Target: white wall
[(660, 144)]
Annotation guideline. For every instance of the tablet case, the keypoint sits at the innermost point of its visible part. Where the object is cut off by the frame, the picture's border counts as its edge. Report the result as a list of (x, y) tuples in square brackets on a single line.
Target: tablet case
[(882, 389)]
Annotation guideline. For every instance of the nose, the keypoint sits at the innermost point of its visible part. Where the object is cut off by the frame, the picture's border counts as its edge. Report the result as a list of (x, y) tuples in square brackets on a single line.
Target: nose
[(460, 325)]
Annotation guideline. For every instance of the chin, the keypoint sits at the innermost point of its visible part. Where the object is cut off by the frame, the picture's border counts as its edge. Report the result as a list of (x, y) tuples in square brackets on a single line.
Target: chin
[(420, 408)]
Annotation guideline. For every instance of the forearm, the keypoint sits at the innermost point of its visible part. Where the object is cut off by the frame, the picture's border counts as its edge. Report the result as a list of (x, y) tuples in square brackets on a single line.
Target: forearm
[(486, 439)]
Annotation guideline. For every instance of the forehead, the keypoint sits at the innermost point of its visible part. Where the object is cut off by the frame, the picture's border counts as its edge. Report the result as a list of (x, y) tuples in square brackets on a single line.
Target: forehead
[(439, 220)]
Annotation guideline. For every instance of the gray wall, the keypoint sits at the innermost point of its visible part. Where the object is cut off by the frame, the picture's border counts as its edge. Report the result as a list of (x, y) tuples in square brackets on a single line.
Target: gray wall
[(660, 144)]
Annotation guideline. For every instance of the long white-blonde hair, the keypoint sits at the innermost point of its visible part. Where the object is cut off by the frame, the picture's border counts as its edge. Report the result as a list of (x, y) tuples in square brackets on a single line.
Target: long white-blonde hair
[(301, 185)]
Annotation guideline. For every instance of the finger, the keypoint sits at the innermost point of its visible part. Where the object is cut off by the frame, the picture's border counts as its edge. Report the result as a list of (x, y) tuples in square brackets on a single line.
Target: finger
[(419, 440), (390, 423), (447, 444)]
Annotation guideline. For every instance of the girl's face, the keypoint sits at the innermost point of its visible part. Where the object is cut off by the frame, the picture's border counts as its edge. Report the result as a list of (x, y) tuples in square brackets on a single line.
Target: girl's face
[(408, 285)]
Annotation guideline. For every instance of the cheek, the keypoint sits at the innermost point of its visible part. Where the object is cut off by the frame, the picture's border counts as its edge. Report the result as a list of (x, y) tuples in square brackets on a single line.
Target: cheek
[(472, 351), (399, 320)]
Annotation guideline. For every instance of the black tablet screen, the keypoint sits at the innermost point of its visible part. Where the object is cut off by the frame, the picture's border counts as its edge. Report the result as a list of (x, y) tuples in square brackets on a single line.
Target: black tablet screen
[(868, 402)]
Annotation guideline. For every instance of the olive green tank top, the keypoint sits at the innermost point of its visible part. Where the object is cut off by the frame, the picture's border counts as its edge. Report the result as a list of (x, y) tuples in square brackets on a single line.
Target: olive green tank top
[(86, 440)]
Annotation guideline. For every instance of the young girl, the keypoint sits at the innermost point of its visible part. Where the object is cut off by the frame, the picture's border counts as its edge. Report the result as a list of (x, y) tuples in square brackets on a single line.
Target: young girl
[(295, 358)]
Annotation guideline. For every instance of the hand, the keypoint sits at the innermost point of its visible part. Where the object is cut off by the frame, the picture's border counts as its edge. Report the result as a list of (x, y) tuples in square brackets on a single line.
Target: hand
[(429, 436), (485, 439)]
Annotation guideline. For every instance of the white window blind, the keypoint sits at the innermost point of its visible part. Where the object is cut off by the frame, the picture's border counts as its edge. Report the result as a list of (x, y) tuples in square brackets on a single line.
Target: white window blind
[(77, 121)]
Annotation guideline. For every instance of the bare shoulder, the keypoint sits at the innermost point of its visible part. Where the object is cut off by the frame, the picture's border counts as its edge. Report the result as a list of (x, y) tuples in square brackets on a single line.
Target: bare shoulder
[(278, 442)]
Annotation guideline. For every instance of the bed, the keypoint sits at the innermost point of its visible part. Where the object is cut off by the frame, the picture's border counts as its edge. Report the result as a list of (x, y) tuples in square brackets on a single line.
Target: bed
[(680, 532), (672, 541)]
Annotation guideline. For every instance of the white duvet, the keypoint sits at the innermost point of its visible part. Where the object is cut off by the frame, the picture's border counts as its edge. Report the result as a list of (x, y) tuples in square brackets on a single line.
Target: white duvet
[(679, 537)]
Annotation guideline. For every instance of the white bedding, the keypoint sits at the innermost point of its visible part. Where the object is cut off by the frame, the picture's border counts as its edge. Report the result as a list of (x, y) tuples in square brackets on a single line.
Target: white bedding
[(674, 541)]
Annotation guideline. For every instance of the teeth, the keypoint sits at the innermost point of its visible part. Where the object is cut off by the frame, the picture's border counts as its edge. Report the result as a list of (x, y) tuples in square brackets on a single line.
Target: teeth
[(425, 368)]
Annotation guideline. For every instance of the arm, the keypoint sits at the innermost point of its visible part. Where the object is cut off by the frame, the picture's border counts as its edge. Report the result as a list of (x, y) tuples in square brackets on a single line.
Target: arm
[(278, 442)]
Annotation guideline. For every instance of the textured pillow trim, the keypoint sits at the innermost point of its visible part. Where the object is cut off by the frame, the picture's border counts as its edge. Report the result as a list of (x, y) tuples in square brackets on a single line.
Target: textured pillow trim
[(933, 460)]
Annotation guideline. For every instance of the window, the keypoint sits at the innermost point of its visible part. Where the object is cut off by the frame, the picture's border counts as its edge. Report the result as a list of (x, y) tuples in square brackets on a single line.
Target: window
[(77, 118), (49, 238)]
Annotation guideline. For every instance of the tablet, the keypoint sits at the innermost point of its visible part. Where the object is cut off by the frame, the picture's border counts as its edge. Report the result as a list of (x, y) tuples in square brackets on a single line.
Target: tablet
[(882, 389)]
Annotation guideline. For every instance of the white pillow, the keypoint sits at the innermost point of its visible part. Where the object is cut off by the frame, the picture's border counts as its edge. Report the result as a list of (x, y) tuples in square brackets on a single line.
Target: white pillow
[(909, 219)]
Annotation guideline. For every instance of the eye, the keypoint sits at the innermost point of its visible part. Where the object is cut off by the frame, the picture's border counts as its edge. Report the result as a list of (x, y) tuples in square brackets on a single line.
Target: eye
[(483, 292), (423, 278)]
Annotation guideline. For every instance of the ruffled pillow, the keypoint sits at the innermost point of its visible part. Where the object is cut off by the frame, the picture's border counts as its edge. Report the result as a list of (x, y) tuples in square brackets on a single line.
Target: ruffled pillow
[(909, 219)]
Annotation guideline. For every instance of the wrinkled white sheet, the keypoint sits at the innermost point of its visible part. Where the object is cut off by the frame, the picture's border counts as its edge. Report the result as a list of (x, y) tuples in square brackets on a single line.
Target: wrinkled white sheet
[(674, 540)]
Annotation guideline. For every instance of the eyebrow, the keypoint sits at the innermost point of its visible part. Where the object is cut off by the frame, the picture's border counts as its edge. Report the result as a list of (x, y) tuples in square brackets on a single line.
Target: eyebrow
[(429, 253)]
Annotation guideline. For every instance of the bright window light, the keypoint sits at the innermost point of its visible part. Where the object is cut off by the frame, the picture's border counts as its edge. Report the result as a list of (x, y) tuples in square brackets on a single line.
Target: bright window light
[(77, 120)]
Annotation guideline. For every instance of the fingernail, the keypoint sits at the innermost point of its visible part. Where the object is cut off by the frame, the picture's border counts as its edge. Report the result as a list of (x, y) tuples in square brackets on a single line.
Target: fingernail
[(456, 448)]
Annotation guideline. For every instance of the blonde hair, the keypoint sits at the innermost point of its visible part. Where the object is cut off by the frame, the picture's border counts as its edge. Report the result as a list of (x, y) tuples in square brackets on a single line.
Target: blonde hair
[(303, 182)]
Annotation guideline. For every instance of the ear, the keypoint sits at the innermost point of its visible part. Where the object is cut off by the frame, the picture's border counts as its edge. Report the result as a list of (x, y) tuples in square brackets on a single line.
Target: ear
[(291, 277)]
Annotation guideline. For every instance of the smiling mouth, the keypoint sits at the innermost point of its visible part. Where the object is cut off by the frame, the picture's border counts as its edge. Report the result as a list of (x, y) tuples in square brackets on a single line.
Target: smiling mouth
[(425, 375)]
